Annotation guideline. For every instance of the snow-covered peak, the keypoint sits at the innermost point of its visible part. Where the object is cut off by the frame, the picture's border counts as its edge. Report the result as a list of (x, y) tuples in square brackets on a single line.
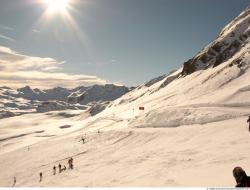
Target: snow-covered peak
[(230, 41), (97, 93), (25, 89), (27, 100), (237, 26)]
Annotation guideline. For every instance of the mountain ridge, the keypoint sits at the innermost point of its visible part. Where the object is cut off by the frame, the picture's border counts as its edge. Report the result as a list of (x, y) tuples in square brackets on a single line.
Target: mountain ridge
[(28, 100), (213, 83)]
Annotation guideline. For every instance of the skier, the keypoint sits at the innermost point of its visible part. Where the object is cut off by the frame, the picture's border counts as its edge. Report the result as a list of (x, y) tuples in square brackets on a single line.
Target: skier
[(70, 162), (248, 121), (41, 176), (64, 168), (60, 168), (83, 140), (241, 177), (54, 170), (14, 183)]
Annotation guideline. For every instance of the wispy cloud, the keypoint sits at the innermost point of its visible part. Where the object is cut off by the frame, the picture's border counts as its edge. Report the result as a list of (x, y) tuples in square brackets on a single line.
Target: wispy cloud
[(7, 38), (104, 63), (6, 28), (19, 70), (113, 61), (12, 61), (47, 80), (36, 31)]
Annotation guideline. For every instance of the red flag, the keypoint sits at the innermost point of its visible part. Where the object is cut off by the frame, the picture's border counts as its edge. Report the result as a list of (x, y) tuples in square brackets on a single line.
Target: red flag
[(141, 108)]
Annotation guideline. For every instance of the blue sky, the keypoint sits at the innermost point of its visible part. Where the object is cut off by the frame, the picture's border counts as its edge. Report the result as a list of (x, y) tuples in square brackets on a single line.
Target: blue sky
[(114, 41)]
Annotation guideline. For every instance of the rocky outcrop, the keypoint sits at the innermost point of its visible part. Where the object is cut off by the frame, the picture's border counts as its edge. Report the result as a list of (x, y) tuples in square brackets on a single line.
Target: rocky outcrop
[(97, 93), (97, 108), (230, 40), (57, 106), (57, 93)]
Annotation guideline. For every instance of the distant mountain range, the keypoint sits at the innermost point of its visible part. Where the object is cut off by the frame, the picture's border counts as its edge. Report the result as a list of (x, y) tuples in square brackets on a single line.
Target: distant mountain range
[(27, 100)]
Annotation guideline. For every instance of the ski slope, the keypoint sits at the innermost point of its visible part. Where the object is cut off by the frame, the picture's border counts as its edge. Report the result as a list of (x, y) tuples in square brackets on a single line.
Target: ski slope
[(191, 133), (186, 156)]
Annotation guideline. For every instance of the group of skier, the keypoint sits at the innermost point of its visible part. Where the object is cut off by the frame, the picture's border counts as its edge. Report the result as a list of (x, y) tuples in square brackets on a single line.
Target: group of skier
[(60, 169), (239, 174)]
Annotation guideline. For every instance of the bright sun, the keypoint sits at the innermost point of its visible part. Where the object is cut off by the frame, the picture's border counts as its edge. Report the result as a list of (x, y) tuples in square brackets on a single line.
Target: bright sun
[(57, 6)]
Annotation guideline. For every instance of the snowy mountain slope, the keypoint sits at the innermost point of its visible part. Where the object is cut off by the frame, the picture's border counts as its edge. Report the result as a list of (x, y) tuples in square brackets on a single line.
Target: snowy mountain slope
[(230, 41), (11, 105), (177, 95), (192, 131), (128, 157), (24, 130), (227, 86)]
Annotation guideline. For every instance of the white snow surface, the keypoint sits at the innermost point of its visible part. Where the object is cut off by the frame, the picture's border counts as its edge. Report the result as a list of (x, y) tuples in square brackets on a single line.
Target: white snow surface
[(191, 133)]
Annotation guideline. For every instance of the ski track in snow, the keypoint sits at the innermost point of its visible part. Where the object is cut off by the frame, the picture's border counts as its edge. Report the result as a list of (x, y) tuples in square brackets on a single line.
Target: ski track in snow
[(130, 156)]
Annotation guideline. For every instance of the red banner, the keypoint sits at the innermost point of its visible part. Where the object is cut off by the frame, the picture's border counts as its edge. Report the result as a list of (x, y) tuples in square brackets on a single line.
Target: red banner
[(141, 108)]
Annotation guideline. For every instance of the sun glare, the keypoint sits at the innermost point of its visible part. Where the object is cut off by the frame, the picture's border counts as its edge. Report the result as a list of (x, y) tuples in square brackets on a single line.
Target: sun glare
[(56, 6), (59, 12)]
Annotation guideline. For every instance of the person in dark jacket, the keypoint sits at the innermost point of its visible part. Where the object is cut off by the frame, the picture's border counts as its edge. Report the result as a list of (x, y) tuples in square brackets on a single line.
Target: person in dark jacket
[(83, 140), (41, 176), (70, 162), (241, 177), (60, 168), (54, 170), (248, 121), (14, 183)]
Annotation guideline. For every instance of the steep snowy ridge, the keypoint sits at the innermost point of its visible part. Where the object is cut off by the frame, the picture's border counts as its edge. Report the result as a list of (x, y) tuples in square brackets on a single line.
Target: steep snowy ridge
[(230, 41), (224, 86), (175, 97)]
